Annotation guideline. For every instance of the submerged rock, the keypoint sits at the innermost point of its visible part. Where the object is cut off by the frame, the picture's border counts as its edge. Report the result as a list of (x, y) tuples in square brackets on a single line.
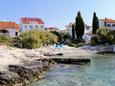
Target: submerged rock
[(22, 74)]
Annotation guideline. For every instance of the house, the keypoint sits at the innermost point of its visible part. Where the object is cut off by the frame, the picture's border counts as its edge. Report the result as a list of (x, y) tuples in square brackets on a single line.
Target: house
[(8, 28), (88, 29), (29, 23), (109, 23)]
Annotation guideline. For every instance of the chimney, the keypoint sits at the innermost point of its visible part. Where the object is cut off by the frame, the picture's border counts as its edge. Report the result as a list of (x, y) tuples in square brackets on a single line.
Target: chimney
[(105, 22)]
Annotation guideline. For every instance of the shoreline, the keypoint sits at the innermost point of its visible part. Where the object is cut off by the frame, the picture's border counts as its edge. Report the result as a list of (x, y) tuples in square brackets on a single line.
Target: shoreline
[(19, 67)]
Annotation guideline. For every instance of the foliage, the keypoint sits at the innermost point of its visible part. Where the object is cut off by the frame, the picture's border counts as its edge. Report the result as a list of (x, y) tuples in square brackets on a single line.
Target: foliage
[(36, 38), (112, 36), (79, 26), (94, 40), (95, 23), (59, 35), (5, 40), (105, 35), (73, 31)]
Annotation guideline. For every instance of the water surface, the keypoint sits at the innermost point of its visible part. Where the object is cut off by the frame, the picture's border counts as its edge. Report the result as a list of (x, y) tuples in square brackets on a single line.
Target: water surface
[(101, 72)]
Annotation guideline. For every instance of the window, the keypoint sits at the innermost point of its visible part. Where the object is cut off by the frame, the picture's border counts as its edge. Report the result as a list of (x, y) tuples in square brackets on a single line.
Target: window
[(108, 25), (25, 26), (36, 26), (31, 26), (42, 27), (113, 25), (87, 28), (16, 33)]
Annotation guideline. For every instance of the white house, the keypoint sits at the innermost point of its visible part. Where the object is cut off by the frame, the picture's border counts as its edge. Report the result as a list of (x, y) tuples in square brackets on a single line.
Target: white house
[(8, 28), (29, 23), (88, 29), (109, 23)]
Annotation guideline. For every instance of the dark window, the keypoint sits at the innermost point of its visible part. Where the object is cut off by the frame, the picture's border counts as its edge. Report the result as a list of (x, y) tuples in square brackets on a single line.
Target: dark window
[(16, 34), (108, 25), (113, 25), (42, 27), (87, 28), (25, 26), (36, 26), (31, 26)]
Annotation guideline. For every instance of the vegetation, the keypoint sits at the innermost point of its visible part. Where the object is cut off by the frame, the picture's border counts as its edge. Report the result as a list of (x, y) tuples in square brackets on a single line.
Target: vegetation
[(94, 40), (104, 35), (5, 40), (36, 39), (74, 43), (73, 31), (79, 26), (59, 35), (95, 23)]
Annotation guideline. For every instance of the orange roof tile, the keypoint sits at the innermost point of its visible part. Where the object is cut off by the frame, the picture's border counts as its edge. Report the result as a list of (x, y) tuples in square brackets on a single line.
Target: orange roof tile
[(108, 20), (27, 20), (9, 25)]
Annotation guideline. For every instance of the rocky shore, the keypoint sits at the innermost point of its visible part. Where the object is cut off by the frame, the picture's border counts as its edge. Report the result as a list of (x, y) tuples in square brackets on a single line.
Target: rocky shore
[(18, 68), (21, 75)]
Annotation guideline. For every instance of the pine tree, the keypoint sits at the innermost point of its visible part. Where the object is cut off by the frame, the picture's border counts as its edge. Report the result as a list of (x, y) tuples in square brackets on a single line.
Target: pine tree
[(95, 23), (79, 26), (73, 31)]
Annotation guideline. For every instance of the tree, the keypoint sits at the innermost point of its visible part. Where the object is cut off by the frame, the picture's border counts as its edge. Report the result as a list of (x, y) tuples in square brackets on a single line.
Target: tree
[(105, 35), (79, 26), (95, 23), (73, 31), (57, 34)]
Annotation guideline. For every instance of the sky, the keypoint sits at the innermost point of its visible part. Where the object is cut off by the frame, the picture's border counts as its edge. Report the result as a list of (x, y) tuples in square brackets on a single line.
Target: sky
[(56, 13)]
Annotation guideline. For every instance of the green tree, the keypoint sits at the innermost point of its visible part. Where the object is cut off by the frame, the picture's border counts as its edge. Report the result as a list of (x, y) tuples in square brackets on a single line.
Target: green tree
[(73, 31), (95, 23), (105, 35), (79, 26), (57, 34)]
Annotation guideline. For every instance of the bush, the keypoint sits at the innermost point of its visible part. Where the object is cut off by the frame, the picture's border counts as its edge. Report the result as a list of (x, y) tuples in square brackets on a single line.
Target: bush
[(112, 36), (105, 35), (59, 35), (94, 40), (36, 38), (5, 40)]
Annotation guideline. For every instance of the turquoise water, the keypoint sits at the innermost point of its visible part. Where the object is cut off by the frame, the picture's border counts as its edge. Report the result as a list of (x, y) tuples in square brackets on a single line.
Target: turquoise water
[(101, 72)]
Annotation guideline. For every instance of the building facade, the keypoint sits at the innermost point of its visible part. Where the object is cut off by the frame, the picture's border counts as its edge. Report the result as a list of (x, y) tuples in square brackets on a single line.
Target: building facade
[(28, 23), (88, 29), (8, 29), (109, 23)]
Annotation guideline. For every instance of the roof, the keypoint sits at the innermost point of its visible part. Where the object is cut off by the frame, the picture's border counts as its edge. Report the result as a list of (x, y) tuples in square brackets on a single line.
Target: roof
[(8, 25), (107, 20), (52, 28), (27, 20)]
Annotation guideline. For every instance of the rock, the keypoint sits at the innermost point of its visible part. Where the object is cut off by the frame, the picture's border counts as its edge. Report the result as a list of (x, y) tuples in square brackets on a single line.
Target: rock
[(59, 54), (28, 74), (9, 78), (23, 73), (49, 54)]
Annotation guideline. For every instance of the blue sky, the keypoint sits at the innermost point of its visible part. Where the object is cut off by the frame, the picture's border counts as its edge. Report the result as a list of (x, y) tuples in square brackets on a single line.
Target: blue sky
[(56, 13)]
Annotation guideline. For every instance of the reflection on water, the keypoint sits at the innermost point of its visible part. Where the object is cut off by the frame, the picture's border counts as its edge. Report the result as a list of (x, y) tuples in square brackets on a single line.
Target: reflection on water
[(101, 72)]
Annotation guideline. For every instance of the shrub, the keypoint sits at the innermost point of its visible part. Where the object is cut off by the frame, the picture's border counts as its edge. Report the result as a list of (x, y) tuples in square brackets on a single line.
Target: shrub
[(5, 40), (59, 35), (48, 37), (105, 35), (36, 38), (94, 40), (112, 36)]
